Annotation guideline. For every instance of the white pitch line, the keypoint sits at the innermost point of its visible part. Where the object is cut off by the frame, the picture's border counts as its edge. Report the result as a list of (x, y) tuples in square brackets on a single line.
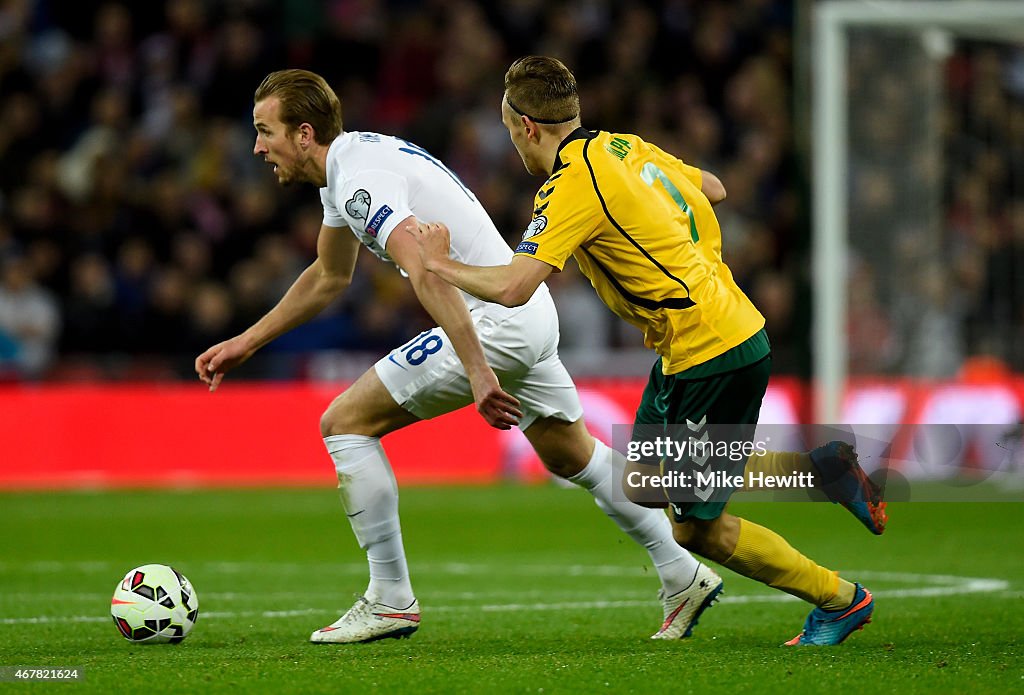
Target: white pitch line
[(959, 585), (451, 568), (440, 568)]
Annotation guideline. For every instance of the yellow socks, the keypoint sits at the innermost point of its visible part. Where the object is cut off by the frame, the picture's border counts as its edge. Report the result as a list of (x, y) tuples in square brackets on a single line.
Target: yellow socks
[(843, 597), (764, 555), (789, 571)]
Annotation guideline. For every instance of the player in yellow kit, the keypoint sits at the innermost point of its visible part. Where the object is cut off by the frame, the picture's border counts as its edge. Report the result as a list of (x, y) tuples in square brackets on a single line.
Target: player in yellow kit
[(640, 224)]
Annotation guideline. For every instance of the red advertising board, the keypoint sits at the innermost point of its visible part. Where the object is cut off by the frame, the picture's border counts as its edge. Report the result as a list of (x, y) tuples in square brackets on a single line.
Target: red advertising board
[(100, 435), (244, 434)]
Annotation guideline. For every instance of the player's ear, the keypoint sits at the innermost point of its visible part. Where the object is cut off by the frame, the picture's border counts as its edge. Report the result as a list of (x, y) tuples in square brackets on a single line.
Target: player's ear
[(531, 127), (307, 136)]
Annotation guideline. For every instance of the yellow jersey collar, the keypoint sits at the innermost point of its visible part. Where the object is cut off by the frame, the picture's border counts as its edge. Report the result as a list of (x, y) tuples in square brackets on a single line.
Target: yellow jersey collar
[(580, 133)]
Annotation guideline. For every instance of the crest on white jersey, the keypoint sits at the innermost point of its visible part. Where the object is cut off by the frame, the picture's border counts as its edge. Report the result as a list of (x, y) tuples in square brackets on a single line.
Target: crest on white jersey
[(358, 206)]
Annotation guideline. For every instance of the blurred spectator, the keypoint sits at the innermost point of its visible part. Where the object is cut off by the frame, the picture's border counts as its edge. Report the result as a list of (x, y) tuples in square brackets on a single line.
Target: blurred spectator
[(134, 266), (113, 46), (931, 317), (29, 321), (249, 295), (20, 137), (775, 295), (167, 313), (210, 317), (874, 345), (585, 323), (90, 309), (242, 61)]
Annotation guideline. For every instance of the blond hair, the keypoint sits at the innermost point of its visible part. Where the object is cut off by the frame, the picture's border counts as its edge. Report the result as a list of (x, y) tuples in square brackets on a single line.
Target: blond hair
[(305, 97), (542, 89)]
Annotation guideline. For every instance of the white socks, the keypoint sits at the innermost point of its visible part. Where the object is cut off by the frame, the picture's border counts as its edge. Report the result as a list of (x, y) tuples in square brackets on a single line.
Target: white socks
[(649, 527), (369, 495)]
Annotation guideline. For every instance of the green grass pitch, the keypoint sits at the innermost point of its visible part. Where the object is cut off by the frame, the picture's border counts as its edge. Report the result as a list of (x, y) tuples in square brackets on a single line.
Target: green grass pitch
[(524, 589)]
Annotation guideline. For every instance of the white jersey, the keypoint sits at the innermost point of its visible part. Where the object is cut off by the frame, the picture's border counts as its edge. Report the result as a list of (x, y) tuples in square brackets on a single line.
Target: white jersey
[(375, 181)]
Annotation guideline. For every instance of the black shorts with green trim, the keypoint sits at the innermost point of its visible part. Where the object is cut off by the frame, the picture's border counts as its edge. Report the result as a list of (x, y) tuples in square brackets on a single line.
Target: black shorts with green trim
[(699, 427)]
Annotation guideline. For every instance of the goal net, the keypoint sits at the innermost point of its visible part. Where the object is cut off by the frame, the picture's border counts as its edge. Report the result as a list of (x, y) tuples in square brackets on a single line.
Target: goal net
[(918, 192)]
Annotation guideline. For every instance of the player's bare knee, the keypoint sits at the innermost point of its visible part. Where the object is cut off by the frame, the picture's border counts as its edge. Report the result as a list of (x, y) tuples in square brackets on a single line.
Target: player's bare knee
[(329, 425), (336, 419), (564, 464), (564, 467), (563, 447)]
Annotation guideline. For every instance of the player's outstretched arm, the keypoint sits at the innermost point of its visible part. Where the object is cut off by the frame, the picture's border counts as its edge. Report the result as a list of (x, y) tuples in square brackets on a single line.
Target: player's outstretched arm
[(444, 303), (318, 285), (508, 285)]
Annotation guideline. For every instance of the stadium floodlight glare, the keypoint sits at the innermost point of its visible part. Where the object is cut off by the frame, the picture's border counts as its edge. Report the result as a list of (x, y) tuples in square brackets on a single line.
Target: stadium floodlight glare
[(995, 20)]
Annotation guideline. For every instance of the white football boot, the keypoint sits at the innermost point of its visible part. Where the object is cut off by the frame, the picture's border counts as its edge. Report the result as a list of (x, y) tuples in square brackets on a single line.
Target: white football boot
[(683, 609), (367, 622)]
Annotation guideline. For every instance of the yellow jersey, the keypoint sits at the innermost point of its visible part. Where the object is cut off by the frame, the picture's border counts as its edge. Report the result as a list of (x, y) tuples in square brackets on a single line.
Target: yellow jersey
[(635, 220)]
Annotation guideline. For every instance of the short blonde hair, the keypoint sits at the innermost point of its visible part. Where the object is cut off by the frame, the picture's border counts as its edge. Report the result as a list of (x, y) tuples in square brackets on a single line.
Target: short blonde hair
[(542, 89), (305, 97)]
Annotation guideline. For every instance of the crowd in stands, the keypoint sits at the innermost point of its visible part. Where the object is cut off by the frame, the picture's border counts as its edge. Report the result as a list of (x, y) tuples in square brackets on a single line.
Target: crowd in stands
[(936, 204), (137, 228)]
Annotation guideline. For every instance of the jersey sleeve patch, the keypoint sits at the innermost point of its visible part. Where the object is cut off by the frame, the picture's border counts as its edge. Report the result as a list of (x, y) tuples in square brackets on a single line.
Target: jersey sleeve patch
[(373, 227), (527, 247), (358, 206), (536, 227)]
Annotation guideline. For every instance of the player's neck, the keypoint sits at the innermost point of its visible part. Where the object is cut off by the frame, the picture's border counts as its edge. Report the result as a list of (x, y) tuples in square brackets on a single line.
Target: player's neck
[(553, 145), (316, 166), (549, 158)]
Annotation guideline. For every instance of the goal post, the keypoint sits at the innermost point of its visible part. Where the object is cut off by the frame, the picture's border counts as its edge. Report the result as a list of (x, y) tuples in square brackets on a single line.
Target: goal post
[(927, 20)]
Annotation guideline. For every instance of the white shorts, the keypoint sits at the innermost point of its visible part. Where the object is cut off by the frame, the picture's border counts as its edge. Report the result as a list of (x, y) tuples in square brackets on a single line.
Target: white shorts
[(426, 377)]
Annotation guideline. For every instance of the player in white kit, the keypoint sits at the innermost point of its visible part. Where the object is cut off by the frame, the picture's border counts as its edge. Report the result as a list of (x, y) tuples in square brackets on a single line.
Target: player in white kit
[(378, 187)]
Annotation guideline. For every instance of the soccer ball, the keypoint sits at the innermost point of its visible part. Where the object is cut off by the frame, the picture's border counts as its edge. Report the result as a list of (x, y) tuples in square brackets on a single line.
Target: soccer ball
[(154, 604)]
